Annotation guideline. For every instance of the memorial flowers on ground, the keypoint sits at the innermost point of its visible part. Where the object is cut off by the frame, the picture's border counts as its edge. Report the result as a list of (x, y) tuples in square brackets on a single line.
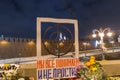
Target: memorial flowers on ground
[(9, 71), (90, 70)]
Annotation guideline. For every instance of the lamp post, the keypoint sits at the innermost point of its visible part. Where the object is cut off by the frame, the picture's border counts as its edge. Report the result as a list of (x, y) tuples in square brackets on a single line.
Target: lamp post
[(101, 33)]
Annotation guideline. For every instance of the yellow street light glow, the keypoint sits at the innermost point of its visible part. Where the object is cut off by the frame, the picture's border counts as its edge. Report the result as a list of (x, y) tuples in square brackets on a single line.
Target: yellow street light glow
[(46, 43), (61, 44), (4, 42), (31, 43)]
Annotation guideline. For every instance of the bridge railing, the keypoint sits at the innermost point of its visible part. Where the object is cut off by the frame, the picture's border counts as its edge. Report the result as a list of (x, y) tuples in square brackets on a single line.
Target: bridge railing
[(70, 54)]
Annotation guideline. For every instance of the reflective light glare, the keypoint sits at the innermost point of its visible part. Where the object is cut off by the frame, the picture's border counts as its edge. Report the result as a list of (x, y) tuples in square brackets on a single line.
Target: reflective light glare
[(64, 37), (101, 34), (96, 43), (109, 34), (94, 35), (84, 43)]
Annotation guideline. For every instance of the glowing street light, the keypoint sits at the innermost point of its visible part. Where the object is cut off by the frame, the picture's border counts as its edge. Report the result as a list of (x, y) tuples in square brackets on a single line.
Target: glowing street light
[(4, 42), (101, 33)]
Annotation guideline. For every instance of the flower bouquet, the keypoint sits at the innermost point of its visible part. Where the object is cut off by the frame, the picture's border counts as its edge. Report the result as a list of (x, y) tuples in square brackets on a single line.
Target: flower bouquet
[(90, 70)]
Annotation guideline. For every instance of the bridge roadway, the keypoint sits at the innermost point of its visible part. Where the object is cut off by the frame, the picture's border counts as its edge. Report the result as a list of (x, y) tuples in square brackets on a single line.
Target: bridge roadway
[(26, 60)]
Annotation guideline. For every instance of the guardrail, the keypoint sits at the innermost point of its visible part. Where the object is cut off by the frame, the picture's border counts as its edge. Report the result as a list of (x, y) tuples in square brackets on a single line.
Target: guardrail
[(25, 60)]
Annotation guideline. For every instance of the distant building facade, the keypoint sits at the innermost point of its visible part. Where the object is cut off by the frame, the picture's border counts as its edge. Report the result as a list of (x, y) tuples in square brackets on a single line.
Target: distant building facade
[(23, 47), (17, 47)]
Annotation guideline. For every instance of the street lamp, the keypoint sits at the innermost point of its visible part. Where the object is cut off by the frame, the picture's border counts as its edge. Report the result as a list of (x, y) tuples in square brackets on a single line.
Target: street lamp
[(101, 33)]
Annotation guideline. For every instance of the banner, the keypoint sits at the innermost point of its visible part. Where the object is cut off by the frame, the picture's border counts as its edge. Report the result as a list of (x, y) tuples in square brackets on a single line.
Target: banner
[(56, 68)]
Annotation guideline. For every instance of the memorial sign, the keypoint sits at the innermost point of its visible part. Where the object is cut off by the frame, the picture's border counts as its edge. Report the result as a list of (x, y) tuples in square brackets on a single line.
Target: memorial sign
[(56, 68)]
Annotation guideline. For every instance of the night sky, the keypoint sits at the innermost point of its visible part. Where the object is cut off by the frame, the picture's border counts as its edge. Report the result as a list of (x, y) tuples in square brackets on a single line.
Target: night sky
[(18, 17)]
